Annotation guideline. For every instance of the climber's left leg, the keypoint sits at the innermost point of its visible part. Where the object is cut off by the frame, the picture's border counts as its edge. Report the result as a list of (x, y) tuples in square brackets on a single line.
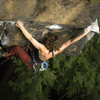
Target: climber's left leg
[(22, 55)]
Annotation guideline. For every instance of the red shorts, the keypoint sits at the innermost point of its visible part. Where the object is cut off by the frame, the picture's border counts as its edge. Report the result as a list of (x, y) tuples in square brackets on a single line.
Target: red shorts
[(21, 54)]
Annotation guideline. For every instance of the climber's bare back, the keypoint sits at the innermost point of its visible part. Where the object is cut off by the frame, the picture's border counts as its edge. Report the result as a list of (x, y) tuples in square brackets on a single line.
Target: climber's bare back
[(45, 55)]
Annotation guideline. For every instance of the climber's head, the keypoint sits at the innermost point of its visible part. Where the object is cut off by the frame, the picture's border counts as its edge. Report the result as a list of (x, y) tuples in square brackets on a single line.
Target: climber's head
[(53, 42)]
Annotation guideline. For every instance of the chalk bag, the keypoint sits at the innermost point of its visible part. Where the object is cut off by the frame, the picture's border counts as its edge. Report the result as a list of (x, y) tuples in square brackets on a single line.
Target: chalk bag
[(44, 66)]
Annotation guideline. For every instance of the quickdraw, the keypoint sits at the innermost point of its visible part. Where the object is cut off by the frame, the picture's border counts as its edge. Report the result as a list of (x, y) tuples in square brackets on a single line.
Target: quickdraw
[(44, 66)]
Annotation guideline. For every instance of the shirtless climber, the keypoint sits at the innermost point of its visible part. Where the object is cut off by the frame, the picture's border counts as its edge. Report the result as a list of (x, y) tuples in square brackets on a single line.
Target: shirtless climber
[(44, 50), (52, 46)]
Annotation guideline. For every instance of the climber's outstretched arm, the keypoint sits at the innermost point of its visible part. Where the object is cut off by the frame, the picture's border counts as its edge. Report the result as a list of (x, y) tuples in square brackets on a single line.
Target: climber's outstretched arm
[(65, 45), (37, 44)]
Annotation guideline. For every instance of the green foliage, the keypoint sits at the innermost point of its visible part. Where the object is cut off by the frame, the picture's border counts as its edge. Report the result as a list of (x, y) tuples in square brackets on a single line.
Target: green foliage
[(79, 75), (30, 85), (16, 61), (76, 76)]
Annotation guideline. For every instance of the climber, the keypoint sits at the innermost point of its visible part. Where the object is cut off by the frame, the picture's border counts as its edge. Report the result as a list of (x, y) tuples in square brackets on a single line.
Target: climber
[(41, 52), (47, 51), (27, 57)]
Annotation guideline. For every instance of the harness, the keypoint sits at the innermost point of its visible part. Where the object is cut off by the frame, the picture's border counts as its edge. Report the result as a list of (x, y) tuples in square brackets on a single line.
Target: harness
[(28, 58), (52, 53), (35, 60)]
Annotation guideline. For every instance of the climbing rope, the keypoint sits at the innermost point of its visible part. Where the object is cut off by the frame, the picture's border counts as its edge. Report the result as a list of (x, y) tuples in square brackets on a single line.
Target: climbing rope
[(7, 58)]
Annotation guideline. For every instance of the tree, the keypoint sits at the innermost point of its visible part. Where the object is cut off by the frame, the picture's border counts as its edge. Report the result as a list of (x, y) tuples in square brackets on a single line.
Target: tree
[(77, 76)]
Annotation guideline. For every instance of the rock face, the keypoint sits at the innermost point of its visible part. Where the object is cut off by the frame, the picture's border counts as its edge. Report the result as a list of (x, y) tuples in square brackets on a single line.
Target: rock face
[(72, 15), (16, 9)]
